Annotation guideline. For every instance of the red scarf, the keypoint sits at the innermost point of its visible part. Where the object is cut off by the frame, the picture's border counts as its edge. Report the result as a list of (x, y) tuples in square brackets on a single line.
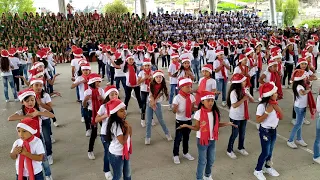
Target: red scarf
[(259, 60), (205, 126), (31, 110), (313, 60), (223, 70), (157, 87), (147, 81), (245, 72), (132, 75), (188, 103), (96, 103), (312, 105), (202, 87), (126, 151), (38, 95), (275, 77), (26, 144), (292, 53), (176, 64), (246, 107), (86, 83), (279, 67), (251, 61), (275, 103)]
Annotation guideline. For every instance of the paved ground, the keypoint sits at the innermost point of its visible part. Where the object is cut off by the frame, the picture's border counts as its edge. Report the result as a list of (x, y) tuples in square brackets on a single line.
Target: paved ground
[(154, 162)]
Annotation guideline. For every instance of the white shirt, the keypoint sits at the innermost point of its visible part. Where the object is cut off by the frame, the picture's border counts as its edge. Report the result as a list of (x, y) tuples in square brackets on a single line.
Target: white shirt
[(102, 111), (80, 86), (268, 76), (75, 63), (187, 55), (172, 69), (210, 85), (46, 99), (89, 92), (211, 123), (99, 55), (302, 100), (318, 104), (211, 55), (119, 72), (14, 61), (143, 85), (127, 79), (271, 121), (290, 60), (116, 147), (216, 64), (36, 147), (236, 113), (182, 74), (7, 73), (181, 102), (19, 112)]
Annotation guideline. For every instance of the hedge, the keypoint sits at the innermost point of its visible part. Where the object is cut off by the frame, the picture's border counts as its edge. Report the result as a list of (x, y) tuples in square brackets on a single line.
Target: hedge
[(226, 6), (310, 22)]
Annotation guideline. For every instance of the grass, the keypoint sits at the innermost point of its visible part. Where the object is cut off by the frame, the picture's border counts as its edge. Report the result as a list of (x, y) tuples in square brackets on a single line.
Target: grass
[(226, 6)]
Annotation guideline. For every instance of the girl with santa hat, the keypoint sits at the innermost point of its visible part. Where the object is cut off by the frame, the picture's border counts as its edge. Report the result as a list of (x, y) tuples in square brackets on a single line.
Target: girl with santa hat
[(288, 54), (172, 71), (206, 83), (119, 75)]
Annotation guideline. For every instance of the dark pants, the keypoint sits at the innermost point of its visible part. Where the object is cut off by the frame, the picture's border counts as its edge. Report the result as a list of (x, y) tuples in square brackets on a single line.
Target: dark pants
[(49, 86), (87, 118), (252, 84), (144, 98), (47, 131), (257, 77), (122, 80), (106, 144), (16, 72), (287, 73), (232, 63), (112, 71), (241, 130), (93, 137), (128, 95), (53, 119), (164, 61), (38, 176), (101, 68), (181, 134)]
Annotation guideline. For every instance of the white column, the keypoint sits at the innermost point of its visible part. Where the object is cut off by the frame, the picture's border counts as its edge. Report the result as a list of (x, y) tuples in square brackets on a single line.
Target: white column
[(273, 12), (213, 6), (62, 6), (143, 7)]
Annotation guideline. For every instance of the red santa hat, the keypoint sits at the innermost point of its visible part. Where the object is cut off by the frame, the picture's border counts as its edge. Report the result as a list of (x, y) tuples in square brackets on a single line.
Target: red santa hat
[(174, 55), (277, 42), (183, 81), (305, 54), (41, 54), (85, 66), (249, 50), (154, 45), (238, 78), (129, 57), (225, 44), (212, 44), (315, 37), (219, 52), (207, 95), (25, 93), (37, 64), (291, 41), (20, 50), (125, 47), (201, 42), (94, 77), (100, 46), (82, 61), (29, 125), (242, 57), (107, 48), (36, 80), (310, 44), (297, 37), (175, 46), (73, 48), (146, 61), (113, 50), (78, 52), (275, 55), (187, 48), (109, 89), (221, 41), (264, 38), (207, 67), (302, 60), (272, 62), (169, 43), (114, 106), (298, 75), (257, 43), (267, 90), (158, 73), (4, 53), (185, 59), (12, 51), (196, 45), (35, 73), (140, 48), (150, 49)]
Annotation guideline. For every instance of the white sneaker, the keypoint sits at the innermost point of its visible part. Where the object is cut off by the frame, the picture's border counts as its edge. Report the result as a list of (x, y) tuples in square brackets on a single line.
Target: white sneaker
[(88, 133), (207, 178), (16, 100), (147, 141), (243, 152), (292, 145), (306, 122), (176, 159), (143, 123), (301, 143), (170, 107), (7, 101), (91, 156), (188, 156), (52, 140), (108, 175), (153, 123), (224, 103), (55, 124), (317, 160), (50, 159), (49, 178), (293, 121), (82, 119), (168, 136), (272, 172), (232, 155), (259, 175)]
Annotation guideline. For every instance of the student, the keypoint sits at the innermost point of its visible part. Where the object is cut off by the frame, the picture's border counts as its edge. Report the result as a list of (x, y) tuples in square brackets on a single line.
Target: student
[(28, 151), (75, 66), (207, 126), (206, 83), (288, 55), (252, 64), (172, 71), (258, 56), (119, 75), (119, 134), (316, 146), (15, 62), (158, 89), (185, 70), (268, 115), (243, 69), (183, 104), (237, 101)]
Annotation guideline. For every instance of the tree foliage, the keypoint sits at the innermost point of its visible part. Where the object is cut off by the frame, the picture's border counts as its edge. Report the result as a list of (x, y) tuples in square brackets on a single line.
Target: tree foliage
[(117, 7), (17, 6), (290, 11), (311, 23), (279, 5)]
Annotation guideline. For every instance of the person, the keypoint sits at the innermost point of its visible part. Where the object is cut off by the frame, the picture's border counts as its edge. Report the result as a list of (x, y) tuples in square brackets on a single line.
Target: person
[(7, 77), (183, 104), (172, 70), (237, 101), (196, 61), (206, 83), (207, 126), (119, 134), (78, 53), (158, 89), (185, 69), (316, 146), (28, 151), (15, 62), (119, 75), (111, 93), (252, 64), (288, 55), (268, 115), (243, 69), (221, 67)]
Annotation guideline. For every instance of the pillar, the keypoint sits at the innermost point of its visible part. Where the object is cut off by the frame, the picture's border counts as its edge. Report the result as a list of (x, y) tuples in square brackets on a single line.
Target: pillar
[(213, 6), (143, 7), (273, 12), (62, 6)]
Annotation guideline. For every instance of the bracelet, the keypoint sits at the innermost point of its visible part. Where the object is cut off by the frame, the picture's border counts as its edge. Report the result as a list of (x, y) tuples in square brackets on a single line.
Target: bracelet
[(266, 112)]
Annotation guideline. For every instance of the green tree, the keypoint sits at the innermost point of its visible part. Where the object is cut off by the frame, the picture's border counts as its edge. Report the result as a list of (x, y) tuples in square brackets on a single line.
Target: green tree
[(290, 11), (279, 4), (17, 6), (117, 7)]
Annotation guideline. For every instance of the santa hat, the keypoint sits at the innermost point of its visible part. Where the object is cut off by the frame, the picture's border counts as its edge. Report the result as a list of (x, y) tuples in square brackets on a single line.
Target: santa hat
[(290, 41), (174, 55), (207, 67), (207, 95), (107, 48), (310, 44), (169, 43), (196, 45), (100, 46), (277, 42), (37, 64), (315, 37), (257, 43), (297, 37), (302, 60), (35, 73), (184, 81), (158, 73), (275, 55), (114, 106), (41, 54), (117, 55), (201, 42), (73, 48), (154, 45), (82, 61), (221, 41), (242, 57), (212, 44), (12, 51), (4, 53), (219, 52), (29, 125), (36, 80), (187, 49), (175, 46), (113, 50), (185, 60), (238, 78), (109, 89), (85, 66), (267, 90), (25, 49), (125, 47), (225, 44), (299, 74), (249, 51), (78, 52), (129, 57), (140, 48), (146, 61), (305, 54), (272, 62), (94, 77), (25, 93), (150, 49), (264, 38), (20, 50)]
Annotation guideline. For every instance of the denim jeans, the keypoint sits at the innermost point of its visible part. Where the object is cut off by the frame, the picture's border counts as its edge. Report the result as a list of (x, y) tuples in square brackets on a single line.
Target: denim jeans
[(144, 99), (195, 67), (241, 130), (111, 77), (316, 146), (120, 166), (297, 128), (78, 93), (9, 80), (206, 157), (267, 139), (50, 87), (24, 71), (38, 176), (106, 144), (45, 164), (221, 87), (122, 80), (173, 92), (158, 112), (46, 131), (181, 134), (101, 68)]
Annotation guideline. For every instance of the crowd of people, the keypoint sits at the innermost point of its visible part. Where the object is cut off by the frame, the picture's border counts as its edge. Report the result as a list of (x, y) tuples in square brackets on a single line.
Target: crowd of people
[(209, 62)]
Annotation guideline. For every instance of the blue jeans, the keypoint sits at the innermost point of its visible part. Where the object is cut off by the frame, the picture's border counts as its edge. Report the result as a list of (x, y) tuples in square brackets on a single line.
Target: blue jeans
[(206, 157), (316, 146), (38, 176), (158, 112), (195, 67), (24, 69), (46, 131), (297, 129), (122, 80), (81, 109), (241, 130), (267, 139), (120, 166), (106, 144), (50, 87), (78, 93), (9, 80), (45, 163), (221, 87), (173, 91)]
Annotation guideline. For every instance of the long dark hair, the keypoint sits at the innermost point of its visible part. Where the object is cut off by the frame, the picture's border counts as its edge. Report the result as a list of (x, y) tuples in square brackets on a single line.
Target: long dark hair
[(114, 118), (238, 88), (118, 61), (195, 52), (180, 70), (294, 88), (36, 106), (45, 62), (214, 110), (125, 69), (307, 69), (5, 64), (79, 73), (265, 101), (163, 87), (92, 85)]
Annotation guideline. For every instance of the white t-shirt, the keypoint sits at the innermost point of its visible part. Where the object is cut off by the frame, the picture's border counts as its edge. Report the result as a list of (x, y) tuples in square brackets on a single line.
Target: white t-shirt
[(271, 121), (46, 99), (102, 111), (127, 79), (116, 147), (182, 74), (119, 72), (143, 85), (268, 76), (14, 61), (75, 63), (211, 55), (36, 147), (99, 55), (172, 69), (302, 100), (216, 64), (318, 104), (181, 102), (89, 92), (236, 113), (80, 86), (211, 123), (23, 61), (8, 73), (210, 85)]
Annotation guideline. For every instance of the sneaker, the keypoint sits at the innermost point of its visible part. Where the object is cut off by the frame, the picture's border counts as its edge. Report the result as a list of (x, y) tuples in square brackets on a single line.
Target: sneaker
[(143, 123), (50, 159), (306, 122), (293, 121), (108, 175), (188, 156), (272, 172), (243, 152), (207, 178), (147, 141), (259, 175), (91, 156), (82, 119), (292, 145), (170, 107), (232, 155), (301, 143), (49, 178), (52, 140), (55, 124), (16, 100), (7, 101), (224, 103), (168, 136), (176, 159), (88, 133), (317, 160), (283, 86), (153, 123)]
